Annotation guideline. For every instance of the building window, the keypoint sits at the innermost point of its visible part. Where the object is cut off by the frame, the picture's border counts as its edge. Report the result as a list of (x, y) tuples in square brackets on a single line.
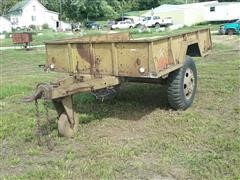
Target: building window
[(34, 8), (156, 17), (14, 20), (212, 9), (33, 18)]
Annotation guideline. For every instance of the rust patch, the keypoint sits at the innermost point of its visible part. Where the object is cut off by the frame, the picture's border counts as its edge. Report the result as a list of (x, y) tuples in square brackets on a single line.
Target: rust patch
[(160, 63), (96, 67), (53, 60), (138, 61), (77, 67), (86, 55)]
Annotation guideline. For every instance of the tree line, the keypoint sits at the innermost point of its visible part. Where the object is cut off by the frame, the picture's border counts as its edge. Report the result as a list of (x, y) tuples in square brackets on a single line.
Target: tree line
[(101, 9), (79, 10)]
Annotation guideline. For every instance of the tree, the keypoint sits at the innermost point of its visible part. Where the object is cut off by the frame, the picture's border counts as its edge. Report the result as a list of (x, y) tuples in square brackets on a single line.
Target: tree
[(74, 9), (79, 10), (99, 8), (5, 5)]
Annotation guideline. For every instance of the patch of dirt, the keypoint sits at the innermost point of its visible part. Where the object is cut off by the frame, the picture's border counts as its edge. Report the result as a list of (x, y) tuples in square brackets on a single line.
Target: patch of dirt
[(228, 40)]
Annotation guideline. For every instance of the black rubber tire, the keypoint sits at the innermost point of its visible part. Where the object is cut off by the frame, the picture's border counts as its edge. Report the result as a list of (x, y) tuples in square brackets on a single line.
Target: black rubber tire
[(157, 25), (175, 92), (230, 31)]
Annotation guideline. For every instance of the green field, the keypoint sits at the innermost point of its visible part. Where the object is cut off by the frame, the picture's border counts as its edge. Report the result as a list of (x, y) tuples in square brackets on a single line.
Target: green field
[(39, 37), (133, 136)]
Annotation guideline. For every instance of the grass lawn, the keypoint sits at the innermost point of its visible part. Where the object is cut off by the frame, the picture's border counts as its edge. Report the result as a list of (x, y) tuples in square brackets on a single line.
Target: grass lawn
[(46, 35), (154, 32), (133, 136)]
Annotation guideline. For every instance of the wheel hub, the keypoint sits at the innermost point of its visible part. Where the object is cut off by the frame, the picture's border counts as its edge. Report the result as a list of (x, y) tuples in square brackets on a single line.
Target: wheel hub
[(189, 83)]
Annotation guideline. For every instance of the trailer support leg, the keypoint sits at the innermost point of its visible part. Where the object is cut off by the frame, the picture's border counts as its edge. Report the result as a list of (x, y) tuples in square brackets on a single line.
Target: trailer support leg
[(67, 117)]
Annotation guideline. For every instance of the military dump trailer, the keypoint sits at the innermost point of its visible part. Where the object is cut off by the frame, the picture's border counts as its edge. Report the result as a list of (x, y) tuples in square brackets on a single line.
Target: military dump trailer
[(97, 64)]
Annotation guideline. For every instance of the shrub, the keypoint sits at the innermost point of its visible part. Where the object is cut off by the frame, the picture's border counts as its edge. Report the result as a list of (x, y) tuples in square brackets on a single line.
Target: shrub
[(45, 26), (33, 27), (7, 35)]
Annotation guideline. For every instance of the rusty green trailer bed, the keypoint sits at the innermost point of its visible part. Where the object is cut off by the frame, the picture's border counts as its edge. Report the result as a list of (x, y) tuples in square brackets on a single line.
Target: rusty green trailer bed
[(102, 62)]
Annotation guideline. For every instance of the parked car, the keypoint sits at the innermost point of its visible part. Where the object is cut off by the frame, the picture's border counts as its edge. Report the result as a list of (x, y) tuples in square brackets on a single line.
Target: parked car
[(76, 26), (110, 23), (92, 25), (155, 21), (123, 25), (230, 28)]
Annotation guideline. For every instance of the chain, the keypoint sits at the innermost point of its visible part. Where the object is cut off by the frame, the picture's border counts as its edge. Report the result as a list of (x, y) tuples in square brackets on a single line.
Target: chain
[(103, 94), (48, 140), (39, 134), (40, 131)]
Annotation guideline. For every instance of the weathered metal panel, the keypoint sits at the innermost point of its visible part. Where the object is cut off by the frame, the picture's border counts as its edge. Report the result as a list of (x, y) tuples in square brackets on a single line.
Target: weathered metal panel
[(103, 59), (58, 57), (131, 57), (178, 46), (205, 42), (116, 55), (82, 58), (160, 55)]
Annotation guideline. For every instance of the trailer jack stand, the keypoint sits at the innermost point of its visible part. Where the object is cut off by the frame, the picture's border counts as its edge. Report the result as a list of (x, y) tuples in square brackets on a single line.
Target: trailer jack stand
[(61, 93), (67, 118)]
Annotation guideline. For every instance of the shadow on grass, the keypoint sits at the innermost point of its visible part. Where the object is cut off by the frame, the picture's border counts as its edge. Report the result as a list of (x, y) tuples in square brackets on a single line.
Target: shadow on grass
[(132, 102)]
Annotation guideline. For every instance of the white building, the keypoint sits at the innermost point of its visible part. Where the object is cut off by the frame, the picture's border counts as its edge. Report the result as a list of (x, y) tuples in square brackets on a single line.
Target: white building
[(5, 25), (64, 26), (223, 11), (32, 12), (185, 14), (193, 13)]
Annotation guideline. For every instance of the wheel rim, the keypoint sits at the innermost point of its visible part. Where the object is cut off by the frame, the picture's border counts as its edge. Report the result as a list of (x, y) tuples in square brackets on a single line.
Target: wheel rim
[(189, 83)]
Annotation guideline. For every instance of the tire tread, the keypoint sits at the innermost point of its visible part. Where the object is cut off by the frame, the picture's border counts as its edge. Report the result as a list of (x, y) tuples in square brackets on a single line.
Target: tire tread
[(176, 99)]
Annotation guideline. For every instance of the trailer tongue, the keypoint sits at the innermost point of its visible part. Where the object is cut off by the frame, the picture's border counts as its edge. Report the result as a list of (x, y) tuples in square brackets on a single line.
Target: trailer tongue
[(100, 63)]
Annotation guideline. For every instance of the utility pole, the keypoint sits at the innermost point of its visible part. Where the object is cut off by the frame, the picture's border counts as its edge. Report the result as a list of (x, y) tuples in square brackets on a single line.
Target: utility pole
[(60, 9), (122, 10), (60, 13)]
